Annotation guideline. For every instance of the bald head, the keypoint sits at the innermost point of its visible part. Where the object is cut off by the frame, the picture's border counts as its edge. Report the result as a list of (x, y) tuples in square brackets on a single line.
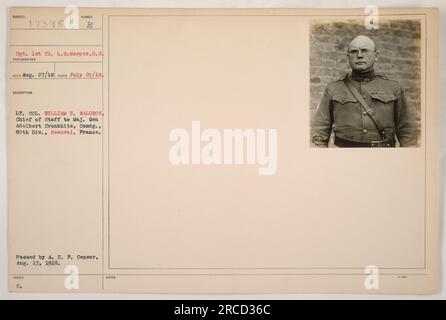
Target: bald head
[(362, 42), (362, 54)]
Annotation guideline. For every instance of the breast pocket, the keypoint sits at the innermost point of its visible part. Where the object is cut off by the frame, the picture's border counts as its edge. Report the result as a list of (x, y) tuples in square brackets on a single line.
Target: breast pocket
[(346, 111), (384, 106)]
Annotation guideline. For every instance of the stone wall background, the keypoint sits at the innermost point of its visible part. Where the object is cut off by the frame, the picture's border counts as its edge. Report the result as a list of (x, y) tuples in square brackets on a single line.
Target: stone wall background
[(399, 45)]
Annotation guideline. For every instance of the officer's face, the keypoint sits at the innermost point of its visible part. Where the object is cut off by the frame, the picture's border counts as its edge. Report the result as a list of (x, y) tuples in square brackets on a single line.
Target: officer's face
[(361, 54)]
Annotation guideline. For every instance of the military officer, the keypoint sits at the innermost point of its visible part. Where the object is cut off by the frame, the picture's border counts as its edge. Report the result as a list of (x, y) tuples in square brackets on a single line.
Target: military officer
[(363, 109)]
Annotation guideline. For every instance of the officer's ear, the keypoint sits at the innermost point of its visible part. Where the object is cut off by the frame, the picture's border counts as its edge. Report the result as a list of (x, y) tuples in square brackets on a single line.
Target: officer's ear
[(347, 50), (346, 53), (376, 55)]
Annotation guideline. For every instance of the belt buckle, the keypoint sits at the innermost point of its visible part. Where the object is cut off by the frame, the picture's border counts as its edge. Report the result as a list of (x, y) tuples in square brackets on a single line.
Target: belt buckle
[(375, 144)]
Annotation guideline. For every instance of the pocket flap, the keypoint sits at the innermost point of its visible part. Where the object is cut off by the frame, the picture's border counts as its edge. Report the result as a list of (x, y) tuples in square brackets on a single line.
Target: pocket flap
[(384, 97), (343, 98)]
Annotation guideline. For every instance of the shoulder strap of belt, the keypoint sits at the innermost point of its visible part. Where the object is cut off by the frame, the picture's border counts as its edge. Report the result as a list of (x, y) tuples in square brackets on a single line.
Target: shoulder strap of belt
[(368, 110)]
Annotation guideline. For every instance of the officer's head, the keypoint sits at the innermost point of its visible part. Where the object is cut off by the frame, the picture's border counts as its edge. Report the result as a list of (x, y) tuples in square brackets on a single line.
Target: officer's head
[(362, 54)]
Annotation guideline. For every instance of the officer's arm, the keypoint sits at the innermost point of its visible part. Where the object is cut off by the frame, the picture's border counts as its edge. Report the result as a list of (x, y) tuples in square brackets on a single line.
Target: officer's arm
[(322, 121), (406, 126)]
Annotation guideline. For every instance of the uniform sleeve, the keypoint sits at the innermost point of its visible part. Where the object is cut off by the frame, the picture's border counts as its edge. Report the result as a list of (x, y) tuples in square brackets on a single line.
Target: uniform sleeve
[(322, 121), (406, 126)]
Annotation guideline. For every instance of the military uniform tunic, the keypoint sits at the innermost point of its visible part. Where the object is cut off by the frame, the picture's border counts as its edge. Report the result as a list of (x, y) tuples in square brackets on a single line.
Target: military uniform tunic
[(340, 112)]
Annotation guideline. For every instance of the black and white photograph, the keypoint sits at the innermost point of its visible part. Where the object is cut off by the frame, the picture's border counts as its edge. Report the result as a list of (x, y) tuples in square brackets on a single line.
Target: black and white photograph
[(365, 84)]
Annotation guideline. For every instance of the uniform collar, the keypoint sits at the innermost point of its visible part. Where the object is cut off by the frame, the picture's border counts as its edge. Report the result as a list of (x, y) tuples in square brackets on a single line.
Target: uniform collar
[(363, 76)]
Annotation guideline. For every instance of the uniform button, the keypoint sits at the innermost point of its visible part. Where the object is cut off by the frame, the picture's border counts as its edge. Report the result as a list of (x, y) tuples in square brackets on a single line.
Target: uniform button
[(364, 130), (364, 113), (364, 96)]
